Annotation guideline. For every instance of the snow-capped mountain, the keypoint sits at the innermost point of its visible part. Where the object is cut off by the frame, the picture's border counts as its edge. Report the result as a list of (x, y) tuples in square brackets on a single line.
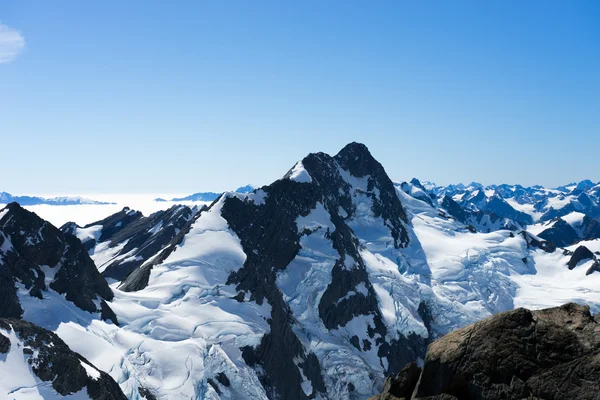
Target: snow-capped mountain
[(121, 242), (39, 262), (207, 196), (6, 198), (510, 206), (316, 286)]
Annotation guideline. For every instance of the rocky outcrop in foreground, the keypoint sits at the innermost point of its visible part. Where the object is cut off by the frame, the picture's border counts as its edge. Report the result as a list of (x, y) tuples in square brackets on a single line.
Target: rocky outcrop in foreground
[(520, 354), (56, 369)]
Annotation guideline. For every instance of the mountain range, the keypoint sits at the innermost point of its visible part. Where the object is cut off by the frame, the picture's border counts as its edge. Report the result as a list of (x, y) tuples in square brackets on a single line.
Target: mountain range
[(317, 286), (206, 196), (6, 198)]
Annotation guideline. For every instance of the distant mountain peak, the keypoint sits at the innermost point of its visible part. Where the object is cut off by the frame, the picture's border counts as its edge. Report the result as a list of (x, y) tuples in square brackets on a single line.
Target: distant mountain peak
[(207, 196), (357, 159), (245, 189)]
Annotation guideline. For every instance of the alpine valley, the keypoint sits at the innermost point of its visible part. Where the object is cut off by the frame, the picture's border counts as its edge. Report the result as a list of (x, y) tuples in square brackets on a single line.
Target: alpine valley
[(317, 286)]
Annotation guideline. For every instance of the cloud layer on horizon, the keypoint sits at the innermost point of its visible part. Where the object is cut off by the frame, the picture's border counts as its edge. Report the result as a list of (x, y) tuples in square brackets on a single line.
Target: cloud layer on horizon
[(11, 44)]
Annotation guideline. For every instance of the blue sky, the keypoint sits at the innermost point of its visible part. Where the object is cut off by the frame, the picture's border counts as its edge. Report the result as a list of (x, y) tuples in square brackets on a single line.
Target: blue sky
[(153, 96)]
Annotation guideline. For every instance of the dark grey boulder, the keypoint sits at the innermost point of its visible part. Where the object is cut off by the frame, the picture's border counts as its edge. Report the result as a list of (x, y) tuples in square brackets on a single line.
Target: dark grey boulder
[(551, 354), (580, 254)]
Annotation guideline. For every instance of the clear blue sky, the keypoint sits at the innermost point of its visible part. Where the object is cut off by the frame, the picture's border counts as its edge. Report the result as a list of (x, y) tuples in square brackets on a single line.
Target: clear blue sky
[(155, 96)]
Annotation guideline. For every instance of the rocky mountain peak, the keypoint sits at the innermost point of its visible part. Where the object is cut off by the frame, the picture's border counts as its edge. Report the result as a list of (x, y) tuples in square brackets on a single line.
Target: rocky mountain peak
[(417, 183), (38, 256), (351, 188), (357, 159)]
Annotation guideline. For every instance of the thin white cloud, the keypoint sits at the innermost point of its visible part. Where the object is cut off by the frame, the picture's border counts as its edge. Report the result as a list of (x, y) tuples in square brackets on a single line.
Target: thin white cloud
[(11, 44)]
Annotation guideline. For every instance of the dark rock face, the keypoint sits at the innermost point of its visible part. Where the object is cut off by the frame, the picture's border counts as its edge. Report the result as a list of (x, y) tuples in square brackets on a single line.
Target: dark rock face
[(454, 209), (138, 277), (271, 240), (144, 236), (276, 242), (51, 360), (475, 220), (561, 234), (580, 254), (591, 228), (357, 159), (553, 213), (147, 236), (404, 383), (4, 344), (502, 209), (31, 243), (222, 378), (146, 394), (475, 201), (520, 354), (535, 242), (594, 268), (111, 225), (417, 183)]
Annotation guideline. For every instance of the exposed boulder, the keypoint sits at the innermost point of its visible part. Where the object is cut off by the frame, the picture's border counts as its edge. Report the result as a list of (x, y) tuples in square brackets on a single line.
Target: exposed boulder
[(537, 242), (520, 354), (402, 384), (582, 253)]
